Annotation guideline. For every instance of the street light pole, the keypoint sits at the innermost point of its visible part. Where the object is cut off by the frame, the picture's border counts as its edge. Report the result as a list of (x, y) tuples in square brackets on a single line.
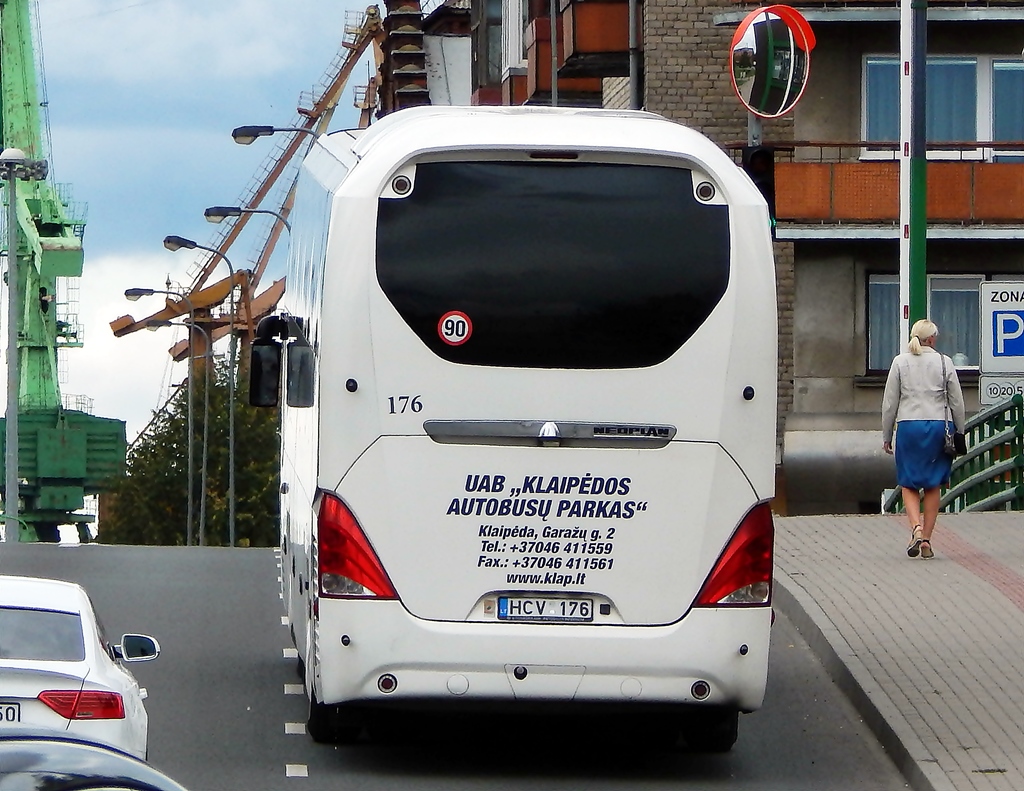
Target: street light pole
[(134, 294), (206, 432), (11, 437), (176, 243), (206, 414), (14, 165)]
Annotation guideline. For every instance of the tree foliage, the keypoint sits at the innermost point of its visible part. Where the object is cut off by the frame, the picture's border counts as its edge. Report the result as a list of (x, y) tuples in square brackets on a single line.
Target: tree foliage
[(150, 504)]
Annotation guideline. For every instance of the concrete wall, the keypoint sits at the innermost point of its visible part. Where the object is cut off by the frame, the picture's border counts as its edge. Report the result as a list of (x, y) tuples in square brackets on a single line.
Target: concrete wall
[(449, 69), (827, 350)]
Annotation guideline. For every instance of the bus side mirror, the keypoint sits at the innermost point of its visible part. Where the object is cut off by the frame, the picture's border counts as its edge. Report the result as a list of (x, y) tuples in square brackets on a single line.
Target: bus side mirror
[(300, 378), (265, 373)]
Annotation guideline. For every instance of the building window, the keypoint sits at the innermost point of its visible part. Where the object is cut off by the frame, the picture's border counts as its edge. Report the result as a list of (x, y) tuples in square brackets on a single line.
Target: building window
[(952, 305), (968, 99), (883, 320), (1008, 105), (951, 99), (882, 100)]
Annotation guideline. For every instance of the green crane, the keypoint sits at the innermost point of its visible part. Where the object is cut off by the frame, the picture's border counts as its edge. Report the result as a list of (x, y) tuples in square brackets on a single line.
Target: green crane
[(63, 454)]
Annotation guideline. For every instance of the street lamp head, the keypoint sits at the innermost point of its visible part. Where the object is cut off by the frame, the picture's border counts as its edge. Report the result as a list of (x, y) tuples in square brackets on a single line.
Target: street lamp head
[(13, 156), (173, 243), (135, 294), (154, 324), (15, 164), (244, 135), (218, 213)]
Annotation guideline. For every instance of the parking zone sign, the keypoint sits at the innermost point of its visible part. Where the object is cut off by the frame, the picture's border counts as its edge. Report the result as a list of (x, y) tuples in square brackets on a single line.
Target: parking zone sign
[(1002, 328)]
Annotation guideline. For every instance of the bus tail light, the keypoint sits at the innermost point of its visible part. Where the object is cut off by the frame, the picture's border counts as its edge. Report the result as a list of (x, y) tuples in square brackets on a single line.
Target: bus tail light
[(85, 705), (743, 574), (348, 565)]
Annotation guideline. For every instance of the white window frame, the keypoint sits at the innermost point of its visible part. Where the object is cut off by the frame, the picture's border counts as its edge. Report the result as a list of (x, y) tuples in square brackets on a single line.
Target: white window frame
[(984, 110), (977, 280), (988, 77), (881, 277)]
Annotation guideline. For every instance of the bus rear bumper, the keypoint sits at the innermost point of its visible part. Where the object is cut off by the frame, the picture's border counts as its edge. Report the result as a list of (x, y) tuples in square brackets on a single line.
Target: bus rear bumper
[(712, 657)]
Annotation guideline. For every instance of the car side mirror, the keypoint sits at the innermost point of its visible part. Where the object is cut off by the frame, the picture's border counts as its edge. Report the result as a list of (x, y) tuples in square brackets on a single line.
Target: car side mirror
[(138, 648), (264, 373), (300, 378)]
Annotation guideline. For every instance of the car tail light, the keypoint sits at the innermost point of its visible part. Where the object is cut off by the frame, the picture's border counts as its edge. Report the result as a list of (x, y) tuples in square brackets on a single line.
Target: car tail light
[(84, 705), (348, 564), (743, 573)]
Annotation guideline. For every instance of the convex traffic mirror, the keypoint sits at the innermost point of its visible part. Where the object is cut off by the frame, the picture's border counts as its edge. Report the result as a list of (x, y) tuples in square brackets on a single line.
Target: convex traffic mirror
[(770, 59)]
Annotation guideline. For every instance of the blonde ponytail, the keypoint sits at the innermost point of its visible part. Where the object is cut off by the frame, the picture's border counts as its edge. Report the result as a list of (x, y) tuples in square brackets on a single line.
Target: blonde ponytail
[(922, 330)]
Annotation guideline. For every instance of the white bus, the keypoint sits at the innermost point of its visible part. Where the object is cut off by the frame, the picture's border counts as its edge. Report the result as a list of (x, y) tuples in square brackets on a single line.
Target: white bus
[(529, 372)]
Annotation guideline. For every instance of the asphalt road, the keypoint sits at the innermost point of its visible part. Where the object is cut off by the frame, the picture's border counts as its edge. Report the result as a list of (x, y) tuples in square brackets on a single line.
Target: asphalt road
[(227, 712)]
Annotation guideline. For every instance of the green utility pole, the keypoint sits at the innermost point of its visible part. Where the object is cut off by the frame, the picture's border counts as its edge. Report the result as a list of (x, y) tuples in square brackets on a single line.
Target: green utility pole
[(62, 454), (913, 165), (918, 164)]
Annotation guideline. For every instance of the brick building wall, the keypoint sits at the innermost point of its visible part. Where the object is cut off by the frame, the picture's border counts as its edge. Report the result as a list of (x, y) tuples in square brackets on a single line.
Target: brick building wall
[(686, 78)]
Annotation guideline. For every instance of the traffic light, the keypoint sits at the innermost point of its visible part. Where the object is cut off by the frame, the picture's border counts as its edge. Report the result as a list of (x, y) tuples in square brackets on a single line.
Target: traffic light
[(759, 164)]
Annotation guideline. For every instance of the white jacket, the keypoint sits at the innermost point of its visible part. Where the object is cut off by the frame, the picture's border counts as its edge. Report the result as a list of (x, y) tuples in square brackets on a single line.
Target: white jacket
[(915, 391)]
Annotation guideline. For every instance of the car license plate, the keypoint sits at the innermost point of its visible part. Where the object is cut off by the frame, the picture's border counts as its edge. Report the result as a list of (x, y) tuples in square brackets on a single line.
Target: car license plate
[(9, 713), (542, 608)]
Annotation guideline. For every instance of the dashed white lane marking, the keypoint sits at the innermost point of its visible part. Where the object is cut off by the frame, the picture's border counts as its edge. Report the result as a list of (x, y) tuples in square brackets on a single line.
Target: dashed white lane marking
[(280, 596), (291, 653), (294, 689), (284, 620), (298, 728), (278, 580), (296, 770)]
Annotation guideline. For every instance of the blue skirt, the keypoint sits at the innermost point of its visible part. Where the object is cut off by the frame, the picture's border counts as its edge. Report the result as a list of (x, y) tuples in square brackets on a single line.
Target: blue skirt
[(921, 462)]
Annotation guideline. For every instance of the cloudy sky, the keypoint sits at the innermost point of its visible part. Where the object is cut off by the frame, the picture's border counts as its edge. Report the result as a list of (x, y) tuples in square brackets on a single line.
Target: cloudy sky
[(143, 95)]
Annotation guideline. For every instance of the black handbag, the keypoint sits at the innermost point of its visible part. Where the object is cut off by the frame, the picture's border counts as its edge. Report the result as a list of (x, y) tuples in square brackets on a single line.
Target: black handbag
[(955, 442)]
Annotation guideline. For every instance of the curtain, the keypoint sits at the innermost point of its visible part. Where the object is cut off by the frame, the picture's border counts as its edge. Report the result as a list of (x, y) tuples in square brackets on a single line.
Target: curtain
[(1008, 101), (952, 99), (882, 100), (883, 321), (954, 308)]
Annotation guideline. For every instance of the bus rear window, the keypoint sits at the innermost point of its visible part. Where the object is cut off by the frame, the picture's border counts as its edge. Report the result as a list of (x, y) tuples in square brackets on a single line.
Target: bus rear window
[(552, 265)]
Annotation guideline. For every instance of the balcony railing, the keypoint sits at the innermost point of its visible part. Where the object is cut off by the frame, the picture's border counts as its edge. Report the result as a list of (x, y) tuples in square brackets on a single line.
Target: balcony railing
[(829, 182)]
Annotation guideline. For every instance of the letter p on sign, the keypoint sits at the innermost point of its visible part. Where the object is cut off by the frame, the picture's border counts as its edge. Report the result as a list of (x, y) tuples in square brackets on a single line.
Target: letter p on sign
[(1008, 333)]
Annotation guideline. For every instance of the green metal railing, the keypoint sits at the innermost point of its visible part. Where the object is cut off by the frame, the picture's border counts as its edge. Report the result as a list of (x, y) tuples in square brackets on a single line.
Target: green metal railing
[(991, 474)]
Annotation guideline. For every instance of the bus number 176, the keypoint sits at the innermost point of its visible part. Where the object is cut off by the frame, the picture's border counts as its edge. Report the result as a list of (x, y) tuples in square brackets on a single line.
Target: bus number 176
[(399, 405)]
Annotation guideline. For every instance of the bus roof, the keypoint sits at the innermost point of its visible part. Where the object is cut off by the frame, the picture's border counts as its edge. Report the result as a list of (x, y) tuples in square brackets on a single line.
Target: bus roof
[(421, 130)]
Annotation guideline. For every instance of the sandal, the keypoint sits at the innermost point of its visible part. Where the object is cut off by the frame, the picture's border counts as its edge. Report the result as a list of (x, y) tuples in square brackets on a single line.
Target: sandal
[(926, 549), (916, 539)]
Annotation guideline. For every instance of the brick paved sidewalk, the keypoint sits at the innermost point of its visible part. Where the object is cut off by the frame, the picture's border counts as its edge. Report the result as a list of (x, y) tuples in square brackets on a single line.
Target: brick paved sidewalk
[(931, 651)]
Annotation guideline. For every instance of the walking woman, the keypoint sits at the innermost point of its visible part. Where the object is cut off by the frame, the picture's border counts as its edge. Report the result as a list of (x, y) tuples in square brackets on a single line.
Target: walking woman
[(921, 382)]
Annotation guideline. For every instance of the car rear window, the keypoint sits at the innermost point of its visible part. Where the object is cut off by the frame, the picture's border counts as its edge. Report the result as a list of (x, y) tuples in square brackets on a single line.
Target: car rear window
[(40, 634), (552, 265)]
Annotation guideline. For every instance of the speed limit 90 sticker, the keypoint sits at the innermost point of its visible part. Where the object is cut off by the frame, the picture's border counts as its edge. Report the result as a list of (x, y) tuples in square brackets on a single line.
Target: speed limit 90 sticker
[(455, 328)]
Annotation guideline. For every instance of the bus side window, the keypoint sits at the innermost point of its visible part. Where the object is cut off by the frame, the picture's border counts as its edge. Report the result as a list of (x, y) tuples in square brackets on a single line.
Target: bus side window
[(265, 373), (299, 380)]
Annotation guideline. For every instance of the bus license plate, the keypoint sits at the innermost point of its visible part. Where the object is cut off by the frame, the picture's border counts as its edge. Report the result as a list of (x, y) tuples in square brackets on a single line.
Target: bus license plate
[(540, 608), (9, 712)]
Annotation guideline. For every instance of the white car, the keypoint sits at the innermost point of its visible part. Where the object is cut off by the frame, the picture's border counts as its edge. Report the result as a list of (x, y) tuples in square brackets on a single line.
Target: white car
[(59, 671)]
